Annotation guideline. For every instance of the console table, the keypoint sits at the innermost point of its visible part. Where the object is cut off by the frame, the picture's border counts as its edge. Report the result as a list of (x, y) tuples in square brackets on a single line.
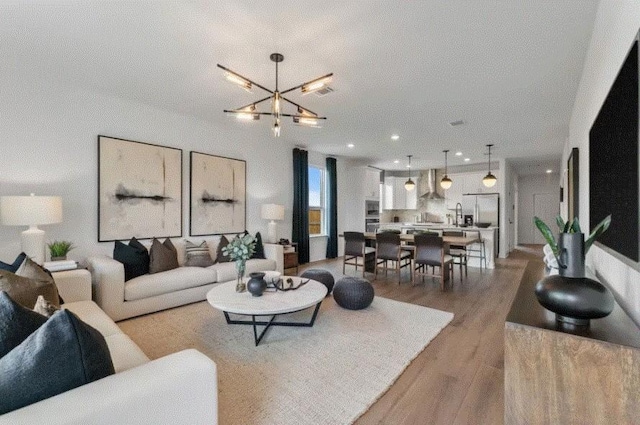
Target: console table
[(563, 374)]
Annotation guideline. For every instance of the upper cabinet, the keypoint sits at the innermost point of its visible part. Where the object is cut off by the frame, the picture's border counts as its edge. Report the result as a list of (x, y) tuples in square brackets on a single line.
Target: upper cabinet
[(467, 183), (396, 197), (372, 184)]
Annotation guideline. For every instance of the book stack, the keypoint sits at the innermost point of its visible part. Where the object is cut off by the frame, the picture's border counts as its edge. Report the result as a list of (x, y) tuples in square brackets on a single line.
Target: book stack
[(58, 266)]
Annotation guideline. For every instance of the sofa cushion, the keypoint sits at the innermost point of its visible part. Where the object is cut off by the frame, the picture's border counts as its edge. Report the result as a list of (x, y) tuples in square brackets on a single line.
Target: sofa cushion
[(125, 354), (198, 254), (64, 353), (134, 257), (25, 291), (16, 263), (170, 281), (162, 256), (227, 271), (16, 323)]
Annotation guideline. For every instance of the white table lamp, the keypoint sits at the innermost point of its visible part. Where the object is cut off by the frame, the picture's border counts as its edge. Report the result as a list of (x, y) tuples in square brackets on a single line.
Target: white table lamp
[(272, 212), (31, 211)]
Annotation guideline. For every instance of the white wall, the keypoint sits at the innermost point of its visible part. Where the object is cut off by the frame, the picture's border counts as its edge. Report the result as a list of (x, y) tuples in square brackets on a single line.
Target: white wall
[(615, 27), (527, 187), (48, 136)]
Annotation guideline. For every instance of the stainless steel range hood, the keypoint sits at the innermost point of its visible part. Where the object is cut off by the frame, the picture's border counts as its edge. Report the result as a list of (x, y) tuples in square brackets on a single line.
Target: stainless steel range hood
[(431, 186)]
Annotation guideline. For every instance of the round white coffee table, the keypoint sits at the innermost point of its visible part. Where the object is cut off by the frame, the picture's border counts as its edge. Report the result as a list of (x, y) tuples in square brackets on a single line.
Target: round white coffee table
[(272, 303)]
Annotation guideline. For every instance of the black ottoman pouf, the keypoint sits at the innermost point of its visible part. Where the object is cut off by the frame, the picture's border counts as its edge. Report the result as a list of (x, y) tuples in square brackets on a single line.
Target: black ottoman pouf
[(353, 293), (321, 276)]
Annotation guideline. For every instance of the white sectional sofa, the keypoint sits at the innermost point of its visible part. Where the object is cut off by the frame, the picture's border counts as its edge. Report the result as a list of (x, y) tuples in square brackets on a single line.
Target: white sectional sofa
[(177, 389), (154, 292)]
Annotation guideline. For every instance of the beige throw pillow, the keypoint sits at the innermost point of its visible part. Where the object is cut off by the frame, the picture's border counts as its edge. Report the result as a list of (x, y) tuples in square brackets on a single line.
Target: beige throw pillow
[(198, 255), (44, 307)]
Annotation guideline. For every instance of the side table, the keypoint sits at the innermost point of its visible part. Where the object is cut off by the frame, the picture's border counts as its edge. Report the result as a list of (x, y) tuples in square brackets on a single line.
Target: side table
[(73, 285), (291, 257)]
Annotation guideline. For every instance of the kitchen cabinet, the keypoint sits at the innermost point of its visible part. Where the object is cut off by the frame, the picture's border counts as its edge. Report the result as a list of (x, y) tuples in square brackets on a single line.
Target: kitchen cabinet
[(372, 184), (396, 197), (467, 183)]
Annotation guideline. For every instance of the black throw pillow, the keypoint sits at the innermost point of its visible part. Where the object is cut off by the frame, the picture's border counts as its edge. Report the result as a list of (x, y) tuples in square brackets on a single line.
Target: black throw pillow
[(134, 256), (16, 323), (220, 257), (64, 353), (259, 249), (15, 265)]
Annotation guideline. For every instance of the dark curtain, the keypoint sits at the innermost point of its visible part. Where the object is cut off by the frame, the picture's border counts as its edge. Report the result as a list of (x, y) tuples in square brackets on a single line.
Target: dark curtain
[(300, 231), (332, 208)]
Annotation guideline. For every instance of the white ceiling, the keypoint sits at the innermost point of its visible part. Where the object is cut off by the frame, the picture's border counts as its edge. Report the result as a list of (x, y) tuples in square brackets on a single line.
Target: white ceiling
[(510, 69)]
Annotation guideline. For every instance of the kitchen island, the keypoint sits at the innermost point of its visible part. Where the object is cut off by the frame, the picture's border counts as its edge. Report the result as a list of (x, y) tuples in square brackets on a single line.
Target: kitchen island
[(489, 235)]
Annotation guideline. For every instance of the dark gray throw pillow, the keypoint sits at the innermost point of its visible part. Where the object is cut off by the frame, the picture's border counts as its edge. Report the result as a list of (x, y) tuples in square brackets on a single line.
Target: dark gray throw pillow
[(16, 263), (64, 353), (134, 257), (220, 257), (163, 256), (16, 323), (259, 248)]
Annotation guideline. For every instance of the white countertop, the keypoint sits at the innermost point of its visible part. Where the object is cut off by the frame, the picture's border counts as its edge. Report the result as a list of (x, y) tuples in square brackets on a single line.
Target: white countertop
[(437, 226)]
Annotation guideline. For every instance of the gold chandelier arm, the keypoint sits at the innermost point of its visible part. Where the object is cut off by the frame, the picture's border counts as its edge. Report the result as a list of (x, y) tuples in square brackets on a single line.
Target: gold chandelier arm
[(253, 104), (304, 84), (296, 105), (245, 78), (235, 111)]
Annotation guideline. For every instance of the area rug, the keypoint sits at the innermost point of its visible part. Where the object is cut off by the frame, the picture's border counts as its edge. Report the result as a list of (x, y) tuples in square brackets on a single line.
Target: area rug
[(328, 374)]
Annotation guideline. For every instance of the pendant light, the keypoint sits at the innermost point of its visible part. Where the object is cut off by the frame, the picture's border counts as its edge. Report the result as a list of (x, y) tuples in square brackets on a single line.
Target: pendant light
[(446, 182), (409, 184), (489, 180)]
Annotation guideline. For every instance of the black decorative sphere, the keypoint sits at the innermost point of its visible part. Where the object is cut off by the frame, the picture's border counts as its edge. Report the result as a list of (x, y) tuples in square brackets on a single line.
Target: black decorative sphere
[(353, 293), (574, 300), (320, 275)]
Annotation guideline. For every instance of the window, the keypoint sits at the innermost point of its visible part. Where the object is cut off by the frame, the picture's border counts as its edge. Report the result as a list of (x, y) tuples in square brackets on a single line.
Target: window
[(316, 201)]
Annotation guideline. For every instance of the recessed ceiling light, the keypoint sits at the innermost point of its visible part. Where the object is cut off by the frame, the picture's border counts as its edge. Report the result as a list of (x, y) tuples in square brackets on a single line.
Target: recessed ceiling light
[(397, 161), (456, 123), (549, 171), (351, 146), (458, 153), (394, 137), (467, 159)]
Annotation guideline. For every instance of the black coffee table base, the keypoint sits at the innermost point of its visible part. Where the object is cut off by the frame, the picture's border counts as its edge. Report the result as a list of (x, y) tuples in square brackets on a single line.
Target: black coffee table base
[(267, 324)]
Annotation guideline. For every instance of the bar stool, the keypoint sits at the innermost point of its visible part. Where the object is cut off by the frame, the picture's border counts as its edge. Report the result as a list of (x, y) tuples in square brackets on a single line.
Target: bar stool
[(457, 252), (478, 248)]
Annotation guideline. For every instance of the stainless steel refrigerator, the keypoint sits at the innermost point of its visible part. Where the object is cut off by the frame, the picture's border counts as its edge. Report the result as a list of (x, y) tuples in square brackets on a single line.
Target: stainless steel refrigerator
[(485, 207)]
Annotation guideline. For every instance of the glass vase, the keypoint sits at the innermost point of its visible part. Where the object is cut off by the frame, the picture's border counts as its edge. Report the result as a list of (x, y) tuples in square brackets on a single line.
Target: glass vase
[(240, 285)]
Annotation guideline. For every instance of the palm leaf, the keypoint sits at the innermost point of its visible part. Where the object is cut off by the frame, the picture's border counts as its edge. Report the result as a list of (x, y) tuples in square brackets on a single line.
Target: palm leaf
[(547, 234), (560, 222), (575, 226), (596, 232)]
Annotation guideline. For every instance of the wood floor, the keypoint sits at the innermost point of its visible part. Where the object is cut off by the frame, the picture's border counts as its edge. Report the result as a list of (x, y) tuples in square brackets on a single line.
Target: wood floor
[(458, 378)]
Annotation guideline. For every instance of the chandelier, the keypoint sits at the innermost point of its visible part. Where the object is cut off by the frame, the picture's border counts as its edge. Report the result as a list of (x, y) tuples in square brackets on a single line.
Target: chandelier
[(302, 116)]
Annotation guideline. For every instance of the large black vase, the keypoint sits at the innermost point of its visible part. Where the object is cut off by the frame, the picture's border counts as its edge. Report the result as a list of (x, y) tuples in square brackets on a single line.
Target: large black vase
[(571, 258), (256, 284), (574, 300)]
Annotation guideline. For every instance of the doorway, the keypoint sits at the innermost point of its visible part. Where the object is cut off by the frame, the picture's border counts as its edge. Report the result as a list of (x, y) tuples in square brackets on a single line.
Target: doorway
[(545, 206)]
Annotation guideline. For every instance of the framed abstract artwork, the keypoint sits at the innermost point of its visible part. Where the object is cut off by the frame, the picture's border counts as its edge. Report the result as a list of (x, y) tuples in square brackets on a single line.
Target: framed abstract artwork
[(139, 190), (217, 195)]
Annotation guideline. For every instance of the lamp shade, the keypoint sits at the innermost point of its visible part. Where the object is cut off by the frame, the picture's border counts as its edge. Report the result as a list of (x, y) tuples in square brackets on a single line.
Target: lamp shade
[(30, 210), (272, 212)]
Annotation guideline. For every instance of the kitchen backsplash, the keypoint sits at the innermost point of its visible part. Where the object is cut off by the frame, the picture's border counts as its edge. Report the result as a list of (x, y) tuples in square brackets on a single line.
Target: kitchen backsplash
[(429, 209)]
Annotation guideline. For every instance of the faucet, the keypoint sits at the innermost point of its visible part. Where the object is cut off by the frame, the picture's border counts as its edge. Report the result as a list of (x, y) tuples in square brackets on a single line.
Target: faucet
[(460, 214)]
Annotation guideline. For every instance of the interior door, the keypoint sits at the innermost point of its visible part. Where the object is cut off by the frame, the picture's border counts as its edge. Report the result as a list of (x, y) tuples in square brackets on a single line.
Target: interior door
[(545, 206)]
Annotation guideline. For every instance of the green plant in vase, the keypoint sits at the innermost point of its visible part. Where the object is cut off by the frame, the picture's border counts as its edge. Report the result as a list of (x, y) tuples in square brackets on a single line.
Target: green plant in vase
[(60, 249), (240, 249), (571, 248)]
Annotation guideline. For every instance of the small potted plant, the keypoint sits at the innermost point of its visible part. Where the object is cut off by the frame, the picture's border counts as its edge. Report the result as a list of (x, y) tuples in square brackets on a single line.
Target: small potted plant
[(59, 250), (571, 248)]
